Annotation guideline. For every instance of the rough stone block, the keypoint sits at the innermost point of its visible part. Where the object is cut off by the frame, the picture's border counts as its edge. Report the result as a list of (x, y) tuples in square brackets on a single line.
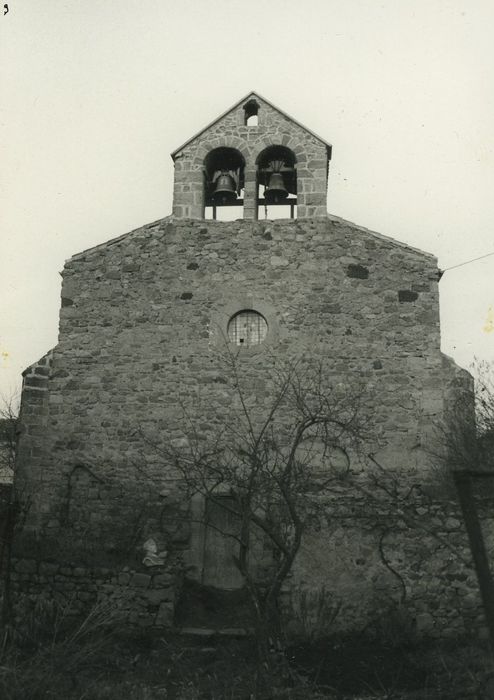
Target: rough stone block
[(140, 580), (26, 566), (277, 261), (155, 596), (162, 580), (357, 272), (424, 622), (406, 295), (48, 568), (164, 617), (144, 620)]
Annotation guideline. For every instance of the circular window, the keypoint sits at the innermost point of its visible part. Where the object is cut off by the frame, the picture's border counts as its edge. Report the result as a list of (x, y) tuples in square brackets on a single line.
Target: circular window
[(247, 328)]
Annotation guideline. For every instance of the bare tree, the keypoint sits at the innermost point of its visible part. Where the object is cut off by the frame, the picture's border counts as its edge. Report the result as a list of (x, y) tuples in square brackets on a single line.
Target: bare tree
[(464, 438), (275, 465), (466, 456), (9, 423), (8, 435), (278, 466)]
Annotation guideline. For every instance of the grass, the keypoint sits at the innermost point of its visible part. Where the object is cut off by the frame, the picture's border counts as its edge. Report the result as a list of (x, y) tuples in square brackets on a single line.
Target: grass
[(56, 656)]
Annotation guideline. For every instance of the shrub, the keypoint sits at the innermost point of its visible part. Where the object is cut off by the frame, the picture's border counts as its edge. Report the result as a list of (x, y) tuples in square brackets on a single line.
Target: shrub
[(43, 655)]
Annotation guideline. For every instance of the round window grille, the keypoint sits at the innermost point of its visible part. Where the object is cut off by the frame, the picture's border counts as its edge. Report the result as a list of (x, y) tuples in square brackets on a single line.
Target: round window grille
[(247, 328)]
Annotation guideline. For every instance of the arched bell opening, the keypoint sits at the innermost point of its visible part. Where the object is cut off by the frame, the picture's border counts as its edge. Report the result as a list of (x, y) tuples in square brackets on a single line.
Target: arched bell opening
[(276, 183), (251, 113), (224, 184)]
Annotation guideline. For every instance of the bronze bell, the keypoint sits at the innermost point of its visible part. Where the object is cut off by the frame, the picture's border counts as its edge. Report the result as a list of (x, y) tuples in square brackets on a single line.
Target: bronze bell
[(225, 190), (275, 191)]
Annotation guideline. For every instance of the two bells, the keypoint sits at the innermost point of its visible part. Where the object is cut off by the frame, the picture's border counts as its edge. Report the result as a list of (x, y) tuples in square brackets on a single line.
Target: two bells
[(225, 191)]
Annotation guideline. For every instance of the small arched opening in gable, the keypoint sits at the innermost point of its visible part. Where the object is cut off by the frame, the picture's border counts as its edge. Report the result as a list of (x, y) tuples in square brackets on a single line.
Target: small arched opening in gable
[(224, 184), (251, 113), (276, 183)]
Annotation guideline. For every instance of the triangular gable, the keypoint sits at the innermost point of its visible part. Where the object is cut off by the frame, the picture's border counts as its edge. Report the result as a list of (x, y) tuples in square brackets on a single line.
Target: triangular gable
[(247, 97)]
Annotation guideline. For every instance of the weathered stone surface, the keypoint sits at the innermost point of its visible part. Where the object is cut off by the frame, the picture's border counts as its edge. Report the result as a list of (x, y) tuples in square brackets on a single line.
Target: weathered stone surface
[(407, 295), (134, 352), (155, 596), (357, 271), (164, 617), (162, 580), (140, 580), (26, 566), (425, 623), (48, 568), (278, 261), (198, 631), (230, 131)]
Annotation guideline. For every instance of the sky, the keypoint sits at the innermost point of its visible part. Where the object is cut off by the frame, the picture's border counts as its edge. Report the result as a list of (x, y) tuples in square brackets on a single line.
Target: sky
[(95, 96)]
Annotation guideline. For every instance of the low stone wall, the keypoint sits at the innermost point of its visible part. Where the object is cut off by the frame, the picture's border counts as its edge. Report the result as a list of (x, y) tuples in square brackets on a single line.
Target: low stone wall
[(353, 573), (401, 581), (139, 598)]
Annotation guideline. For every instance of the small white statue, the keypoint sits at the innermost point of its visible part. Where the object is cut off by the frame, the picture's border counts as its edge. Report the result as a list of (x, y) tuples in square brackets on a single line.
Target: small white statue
[(151, 555)]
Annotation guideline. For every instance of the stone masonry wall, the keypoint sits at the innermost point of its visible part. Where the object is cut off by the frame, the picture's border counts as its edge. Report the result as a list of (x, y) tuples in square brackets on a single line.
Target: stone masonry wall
[(141, 598), (33, 420), (273, 129), (384, 572), (142, 338)]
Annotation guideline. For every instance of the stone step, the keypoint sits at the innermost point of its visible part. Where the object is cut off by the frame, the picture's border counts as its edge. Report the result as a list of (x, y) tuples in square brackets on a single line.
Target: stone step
[(222, 632)]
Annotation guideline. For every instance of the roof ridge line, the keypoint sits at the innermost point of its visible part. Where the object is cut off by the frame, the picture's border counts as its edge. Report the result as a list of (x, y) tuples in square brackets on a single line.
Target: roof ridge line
[(117, 239), (234, 106)]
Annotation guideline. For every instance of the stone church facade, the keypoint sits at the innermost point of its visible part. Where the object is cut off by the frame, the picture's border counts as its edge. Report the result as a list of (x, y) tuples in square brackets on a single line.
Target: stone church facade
[(145, 321)]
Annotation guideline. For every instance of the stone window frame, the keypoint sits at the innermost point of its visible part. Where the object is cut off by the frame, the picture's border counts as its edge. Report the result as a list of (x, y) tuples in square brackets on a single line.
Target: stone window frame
[(221, 316), (252, 317)]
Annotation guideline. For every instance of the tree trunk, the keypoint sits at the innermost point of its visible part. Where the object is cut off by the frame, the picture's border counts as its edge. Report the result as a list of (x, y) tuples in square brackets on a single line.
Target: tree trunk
[(463, 481)]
